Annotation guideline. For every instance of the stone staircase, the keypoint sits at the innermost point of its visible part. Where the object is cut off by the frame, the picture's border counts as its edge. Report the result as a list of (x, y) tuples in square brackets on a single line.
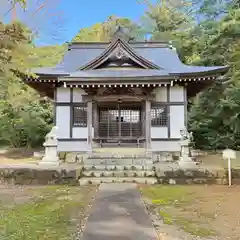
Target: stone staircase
[(107, 165)]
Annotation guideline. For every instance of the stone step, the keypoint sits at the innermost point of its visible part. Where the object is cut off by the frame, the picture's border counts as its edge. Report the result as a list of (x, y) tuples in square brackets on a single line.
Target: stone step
[(117, 167), (123, 144), (119, 157), (113, 162), (120, 150), (88, 181), (119, 173)]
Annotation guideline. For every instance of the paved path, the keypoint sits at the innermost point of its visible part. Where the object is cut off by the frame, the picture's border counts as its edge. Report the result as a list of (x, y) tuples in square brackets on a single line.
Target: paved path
[(119, 214)]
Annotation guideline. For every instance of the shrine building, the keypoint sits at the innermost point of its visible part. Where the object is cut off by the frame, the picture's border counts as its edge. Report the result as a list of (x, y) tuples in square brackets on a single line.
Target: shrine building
[(121, 93)]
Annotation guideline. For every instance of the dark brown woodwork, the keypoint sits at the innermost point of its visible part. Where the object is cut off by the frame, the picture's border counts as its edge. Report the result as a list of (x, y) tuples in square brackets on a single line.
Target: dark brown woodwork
[(119, 121)]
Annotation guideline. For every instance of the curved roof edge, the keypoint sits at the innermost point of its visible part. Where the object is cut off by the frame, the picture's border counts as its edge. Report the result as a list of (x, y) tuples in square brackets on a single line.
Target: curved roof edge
[(103, 73)]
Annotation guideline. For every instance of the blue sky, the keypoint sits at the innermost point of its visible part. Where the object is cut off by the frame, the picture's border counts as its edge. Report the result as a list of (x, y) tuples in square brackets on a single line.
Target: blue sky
[(85, 13), (75, 14)]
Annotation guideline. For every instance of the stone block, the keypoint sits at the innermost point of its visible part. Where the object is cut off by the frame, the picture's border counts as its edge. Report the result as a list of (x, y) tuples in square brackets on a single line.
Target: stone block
[(172, 181), (40, 176), (235, 173), (200, 180)]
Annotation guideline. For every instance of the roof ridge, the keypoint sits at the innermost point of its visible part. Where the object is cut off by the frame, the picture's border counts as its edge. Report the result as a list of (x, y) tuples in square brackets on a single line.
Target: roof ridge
[(135, 44), (108, 42)]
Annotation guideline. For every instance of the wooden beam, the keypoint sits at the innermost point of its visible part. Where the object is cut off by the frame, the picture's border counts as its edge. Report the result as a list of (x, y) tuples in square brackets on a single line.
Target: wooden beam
[(148, 123), (89, 122)]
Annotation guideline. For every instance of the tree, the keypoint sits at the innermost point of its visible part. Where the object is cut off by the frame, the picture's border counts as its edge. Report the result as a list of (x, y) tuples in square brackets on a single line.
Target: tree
[(167, 19), (215, 9), (24, 117), (48, 55), (214, 117), (43, 17), (101, 32)]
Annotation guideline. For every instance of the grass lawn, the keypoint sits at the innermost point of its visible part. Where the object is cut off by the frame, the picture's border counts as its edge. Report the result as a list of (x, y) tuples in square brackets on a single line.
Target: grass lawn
[(202, 211), (49, 212)]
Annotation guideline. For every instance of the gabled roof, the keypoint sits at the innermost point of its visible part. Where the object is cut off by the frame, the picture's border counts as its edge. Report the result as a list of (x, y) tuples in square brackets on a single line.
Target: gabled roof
[(120, 48), (123, 62), (150, 55), (84, 60)]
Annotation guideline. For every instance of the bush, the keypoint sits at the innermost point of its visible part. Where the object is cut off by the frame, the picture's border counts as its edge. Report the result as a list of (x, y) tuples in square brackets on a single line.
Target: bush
[(25, 126)]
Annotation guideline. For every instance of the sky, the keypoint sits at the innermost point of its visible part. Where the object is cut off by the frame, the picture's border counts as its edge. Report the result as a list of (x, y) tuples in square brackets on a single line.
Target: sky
[(82, 14), (71, 15)]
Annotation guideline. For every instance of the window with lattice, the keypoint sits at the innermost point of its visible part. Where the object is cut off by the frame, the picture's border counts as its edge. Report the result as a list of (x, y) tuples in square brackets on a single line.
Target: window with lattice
[(80, 116), (159, 116)]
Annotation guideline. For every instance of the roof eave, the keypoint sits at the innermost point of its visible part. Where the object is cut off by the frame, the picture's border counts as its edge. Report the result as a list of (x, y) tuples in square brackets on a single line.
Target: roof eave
[(147, 79), (221, 70)]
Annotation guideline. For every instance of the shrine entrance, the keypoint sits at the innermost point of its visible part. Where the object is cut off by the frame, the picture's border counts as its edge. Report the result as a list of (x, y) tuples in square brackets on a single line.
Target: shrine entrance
[(120, 120)]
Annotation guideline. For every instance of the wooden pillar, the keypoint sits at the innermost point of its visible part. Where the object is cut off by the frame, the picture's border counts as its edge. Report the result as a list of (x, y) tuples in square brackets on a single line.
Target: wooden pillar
[(89, 122), (148, 123), (95, 119), (185, 106), (55, 107)]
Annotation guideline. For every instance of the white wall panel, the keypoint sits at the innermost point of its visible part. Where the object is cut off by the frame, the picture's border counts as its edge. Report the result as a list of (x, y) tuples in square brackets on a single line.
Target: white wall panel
[(165, 146), (63, 95), (159, 132), (81, 132), (63, 121), (177, 94), (72, 146), (176, 120), (77, 95), (161, 94)]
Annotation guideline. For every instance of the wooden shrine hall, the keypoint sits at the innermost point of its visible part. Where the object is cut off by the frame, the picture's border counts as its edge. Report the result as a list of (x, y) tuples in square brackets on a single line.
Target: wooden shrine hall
[(121, 93)]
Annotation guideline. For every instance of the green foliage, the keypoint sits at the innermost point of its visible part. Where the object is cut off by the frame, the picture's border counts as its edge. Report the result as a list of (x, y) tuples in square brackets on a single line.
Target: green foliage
[(214, 40), (214, 114), (167, 19), (214, 117), (26, 125), (23, 3), (48, 55), (101, 32), (25, 118)]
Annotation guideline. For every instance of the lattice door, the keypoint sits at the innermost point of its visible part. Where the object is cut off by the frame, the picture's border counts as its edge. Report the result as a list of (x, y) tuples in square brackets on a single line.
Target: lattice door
[(120, 122)]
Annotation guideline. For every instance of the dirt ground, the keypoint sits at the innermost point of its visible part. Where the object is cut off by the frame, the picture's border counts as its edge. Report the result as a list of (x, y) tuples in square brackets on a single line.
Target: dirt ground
[(205, 212), (216, 161), (17, 155)]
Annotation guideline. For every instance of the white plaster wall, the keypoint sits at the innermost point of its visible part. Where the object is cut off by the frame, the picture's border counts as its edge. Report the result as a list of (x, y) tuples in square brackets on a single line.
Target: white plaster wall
[(72, 146), (77, 95), (176, 120), (81, 132), (161, 94), (63, 95), (177, 94), (63, 121), (166, 146), (159, 132)]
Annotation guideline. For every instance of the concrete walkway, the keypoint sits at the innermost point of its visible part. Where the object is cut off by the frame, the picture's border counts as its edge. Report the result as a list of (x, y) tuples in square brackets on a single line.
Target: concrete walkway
[(119, 214)]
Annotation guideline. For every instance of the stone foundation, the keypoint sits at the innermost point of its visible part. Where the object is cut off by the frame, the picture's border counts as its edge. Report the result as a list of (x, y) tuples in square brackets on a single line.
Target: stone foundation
[(196, 176), (40, 176), (71, 174)]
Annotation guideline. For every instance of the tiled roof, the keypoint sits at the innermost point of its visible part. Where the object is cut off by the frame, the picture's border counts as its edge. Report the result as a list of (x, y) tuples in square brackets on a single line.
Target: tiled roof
[(117, 73), (159, 54)]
